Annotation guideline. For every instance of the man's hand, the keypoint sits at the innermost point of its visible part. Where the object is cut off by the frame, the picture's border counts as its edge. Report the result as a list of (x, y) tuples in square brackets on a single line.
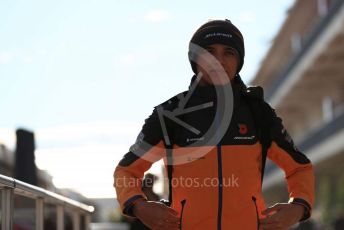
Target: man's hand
[(156, 215), (281, 216)]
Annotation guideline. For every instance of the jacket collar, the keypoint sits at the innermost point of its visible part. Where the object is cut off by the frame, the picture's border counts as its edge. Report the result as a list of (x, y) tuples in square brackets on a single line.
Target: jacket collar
[(209, 92)]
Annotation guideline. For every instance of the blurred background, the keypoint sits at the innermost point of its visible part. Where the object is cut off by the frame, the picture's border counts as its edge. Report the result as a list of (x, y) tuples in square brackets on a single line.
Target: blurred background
[(78, 78)]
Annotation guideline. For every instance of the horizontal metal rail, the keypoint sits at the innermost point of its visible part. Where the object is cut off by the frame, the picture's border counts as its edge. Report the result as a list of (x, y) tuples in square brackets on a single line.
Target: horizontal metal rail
[(309, 42), (10, 186)]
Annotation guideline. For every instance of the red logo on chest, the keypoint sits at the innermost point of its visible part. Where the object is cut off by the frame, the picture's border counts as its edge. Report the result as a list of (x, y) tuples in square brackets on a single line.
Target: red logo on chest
[(243, 129)]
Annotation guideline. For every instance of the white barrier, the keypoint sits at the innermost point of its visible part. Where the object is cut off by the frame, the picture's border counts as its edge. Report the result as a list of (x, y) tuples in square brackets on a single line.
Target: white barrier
[(10, 186)]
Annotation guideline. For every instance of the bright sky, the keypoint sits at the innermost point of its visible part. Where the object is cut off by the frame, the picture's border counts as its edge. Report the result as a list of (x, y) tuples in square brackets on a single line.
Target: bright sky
[(84, 74)]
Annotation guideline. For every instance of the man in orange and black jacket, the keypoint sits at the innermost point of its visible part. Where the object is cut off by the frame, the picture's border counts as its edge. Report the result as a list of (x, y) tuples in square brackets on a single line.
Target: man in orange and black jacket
[(211, 144)]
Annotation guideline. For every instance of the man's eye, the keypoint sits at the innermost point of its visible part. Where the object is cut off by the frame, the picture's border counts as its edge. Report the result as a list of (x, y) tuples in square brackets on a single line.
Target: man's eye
[(210, 51), (230, 52)]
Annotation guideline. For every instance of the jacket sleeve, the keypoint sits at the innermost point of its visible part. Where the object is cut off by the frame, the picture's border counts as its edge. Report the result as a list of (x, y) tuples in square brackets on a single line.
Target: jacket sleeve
[(128, 174), (297, 167)]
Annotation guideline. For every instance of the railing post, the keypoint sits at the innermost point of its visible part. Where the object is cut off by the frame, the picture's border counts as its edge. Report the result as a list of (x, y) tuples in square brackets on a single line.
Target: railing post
[(87, 221), (6, 208), (76, 220), (9, 186), (39, 214), (60, 217)]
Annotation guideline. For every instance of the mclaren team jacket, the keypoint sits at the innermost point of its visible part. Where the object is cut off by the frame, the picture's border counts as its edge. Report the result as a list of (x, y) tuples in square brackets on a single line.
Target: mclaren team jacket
[(216, 185)]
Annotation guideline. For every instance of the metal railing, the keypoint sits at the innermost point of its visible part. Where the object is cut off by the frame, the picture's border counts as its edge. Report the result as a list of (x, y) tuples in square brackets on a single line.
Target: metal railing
[(309, 41), (10, 187)]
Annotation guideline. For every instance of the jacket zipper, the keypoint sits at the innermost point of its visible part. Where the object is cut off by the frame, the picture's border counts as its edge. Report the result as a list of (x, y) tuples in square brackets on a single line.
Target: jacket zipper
[(255, 205), (219, 211), (219, 167), (183, 202)]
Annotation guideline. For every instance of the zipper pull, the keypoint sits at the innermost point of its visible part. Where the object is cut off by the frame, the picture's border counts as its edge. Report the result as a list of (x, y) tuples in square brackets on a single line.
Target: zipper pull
[(183, 202), (255, 204)]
